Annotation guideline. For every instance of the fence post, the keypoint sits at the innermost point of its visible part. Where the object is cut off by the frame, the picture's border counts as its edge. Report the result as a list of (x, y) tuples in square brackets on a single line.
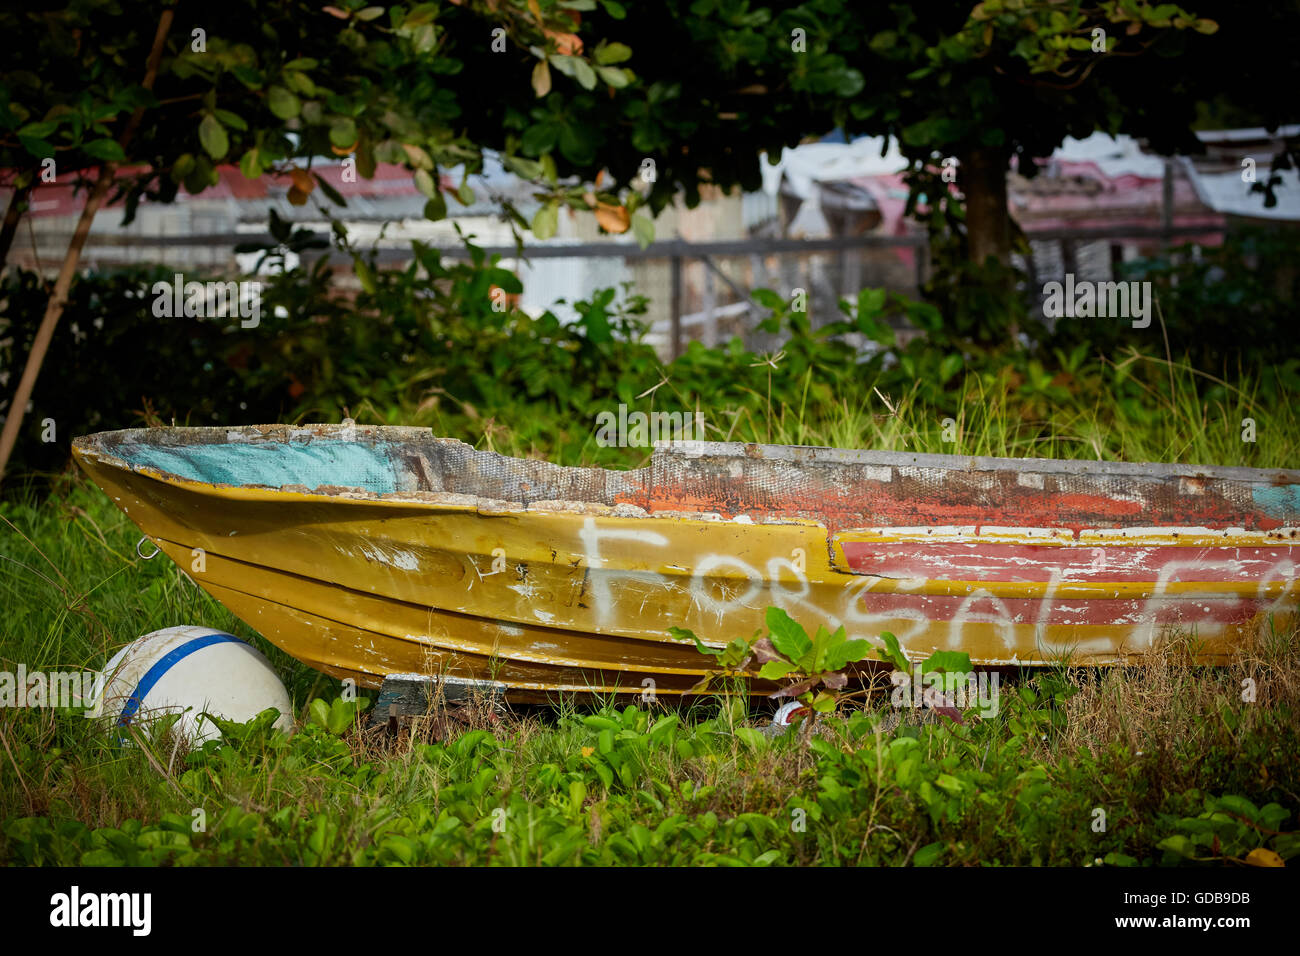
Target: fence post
[(710, 308), (676, 313), (1069, 257), (922, 252), (1167, 207)]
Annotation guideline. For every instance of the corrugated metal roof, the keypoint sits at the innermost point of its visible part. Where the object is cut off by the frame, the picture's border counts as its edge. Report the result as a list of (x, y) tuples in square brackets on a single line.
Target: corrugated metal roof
[(1227, 193)]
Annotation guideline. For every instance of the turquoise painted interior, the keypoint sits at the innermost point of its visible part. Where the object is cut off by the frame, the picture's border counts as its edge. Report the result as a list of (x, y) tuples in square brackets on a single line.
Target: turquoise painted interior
[(354, 464), (1278, 501)]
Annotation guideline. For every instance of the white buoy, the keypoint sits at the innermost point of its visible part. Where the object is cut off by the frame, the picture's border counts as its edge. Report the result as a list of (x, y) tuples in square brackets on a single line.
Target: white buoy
[(189, 670)]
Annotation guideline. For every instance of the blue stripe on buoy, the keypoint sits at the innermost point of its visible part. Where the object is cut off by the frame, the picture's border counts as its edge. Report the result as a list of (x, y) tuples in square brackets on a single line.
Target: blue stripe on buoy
[(161, 667)]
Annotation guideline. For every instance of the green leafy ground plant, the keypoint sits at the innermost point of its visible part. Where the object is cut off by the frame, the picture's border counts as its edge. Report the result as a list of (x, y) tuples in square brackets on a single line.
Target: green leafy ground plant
[(814, 667)]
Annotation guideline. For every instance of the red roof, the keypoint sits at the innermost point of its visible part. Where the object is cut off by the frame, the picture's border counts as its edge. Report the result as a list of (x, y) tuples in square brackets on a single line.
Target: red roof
[(64, 199)]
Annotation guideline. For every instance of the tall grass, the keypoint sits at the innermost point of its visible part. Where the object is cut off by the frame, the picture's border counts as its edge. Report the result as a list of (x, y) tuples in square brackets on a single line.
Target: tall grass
[(1136, 407), (1146, 741), (1172, 421)]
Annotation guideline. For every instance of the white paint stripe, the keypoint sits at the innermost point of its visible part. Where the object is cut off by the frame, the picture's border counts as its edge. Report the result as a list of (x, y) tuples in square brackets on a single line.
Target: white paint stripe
[(1191, 536)]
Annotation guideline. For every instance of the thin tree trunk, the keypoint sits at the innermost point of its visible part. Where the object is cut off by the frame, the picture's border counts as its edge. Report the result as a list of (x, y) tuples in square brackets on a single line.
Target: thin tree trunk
[(53, 311), (13, 215), (983, 180), (59, 297)]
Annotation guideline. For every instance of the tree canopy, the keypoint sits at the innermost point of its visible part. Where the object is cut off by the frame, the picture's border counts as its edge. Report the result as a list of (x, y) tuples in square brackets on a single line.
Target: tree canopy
[(575, 87), (607, 105)]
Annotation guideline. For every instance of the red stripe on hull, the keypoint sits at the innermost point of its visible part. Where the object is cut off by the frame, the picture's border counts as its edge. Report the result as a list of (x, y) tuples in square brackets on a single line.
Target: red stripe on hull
[(1126, 613), (1007, 562)]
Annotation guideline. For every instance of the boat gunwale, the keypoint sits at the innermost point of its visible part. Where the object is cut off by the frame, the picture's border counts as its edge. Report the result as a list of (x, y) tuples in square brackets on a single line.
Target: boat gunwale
[(96, 446), (451, 501)]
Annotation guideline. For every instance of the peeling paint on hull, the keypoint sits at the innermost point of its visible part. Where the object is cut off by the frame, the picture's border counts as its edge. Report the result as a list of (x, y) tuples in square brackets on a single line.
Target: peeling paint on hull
[(436, 558)]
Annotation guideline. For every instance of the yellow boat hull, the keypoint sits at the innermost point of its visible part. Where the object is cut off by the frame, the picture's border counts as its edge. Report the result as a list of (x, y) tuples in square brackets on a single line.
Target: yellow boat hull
[(565, 594)]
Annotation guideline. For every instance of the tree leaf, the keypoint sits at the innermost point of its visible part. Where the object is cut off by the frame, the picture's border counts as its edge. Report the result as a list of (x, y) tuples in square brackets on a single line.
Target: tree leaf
[(644, 230), (38, 130), (302, 180), (525, 168), (614, 77), (365, 275), (541, 78), (546, 221), (109, 150), (424, 182), (250, 164), (613, 219), (233, 120), (607, 54), (872, 301), (343, 133), (40, 148), (249, 76), (436, 207), (417, 156), (568, 44), (283, 103), (334, 195), (584, 74)]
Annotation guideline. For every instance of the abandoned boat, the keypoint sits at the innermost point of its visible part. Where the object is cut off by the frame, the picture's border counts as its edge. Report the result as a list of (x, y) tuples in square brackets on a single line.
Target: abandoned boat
[(373, 551)]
